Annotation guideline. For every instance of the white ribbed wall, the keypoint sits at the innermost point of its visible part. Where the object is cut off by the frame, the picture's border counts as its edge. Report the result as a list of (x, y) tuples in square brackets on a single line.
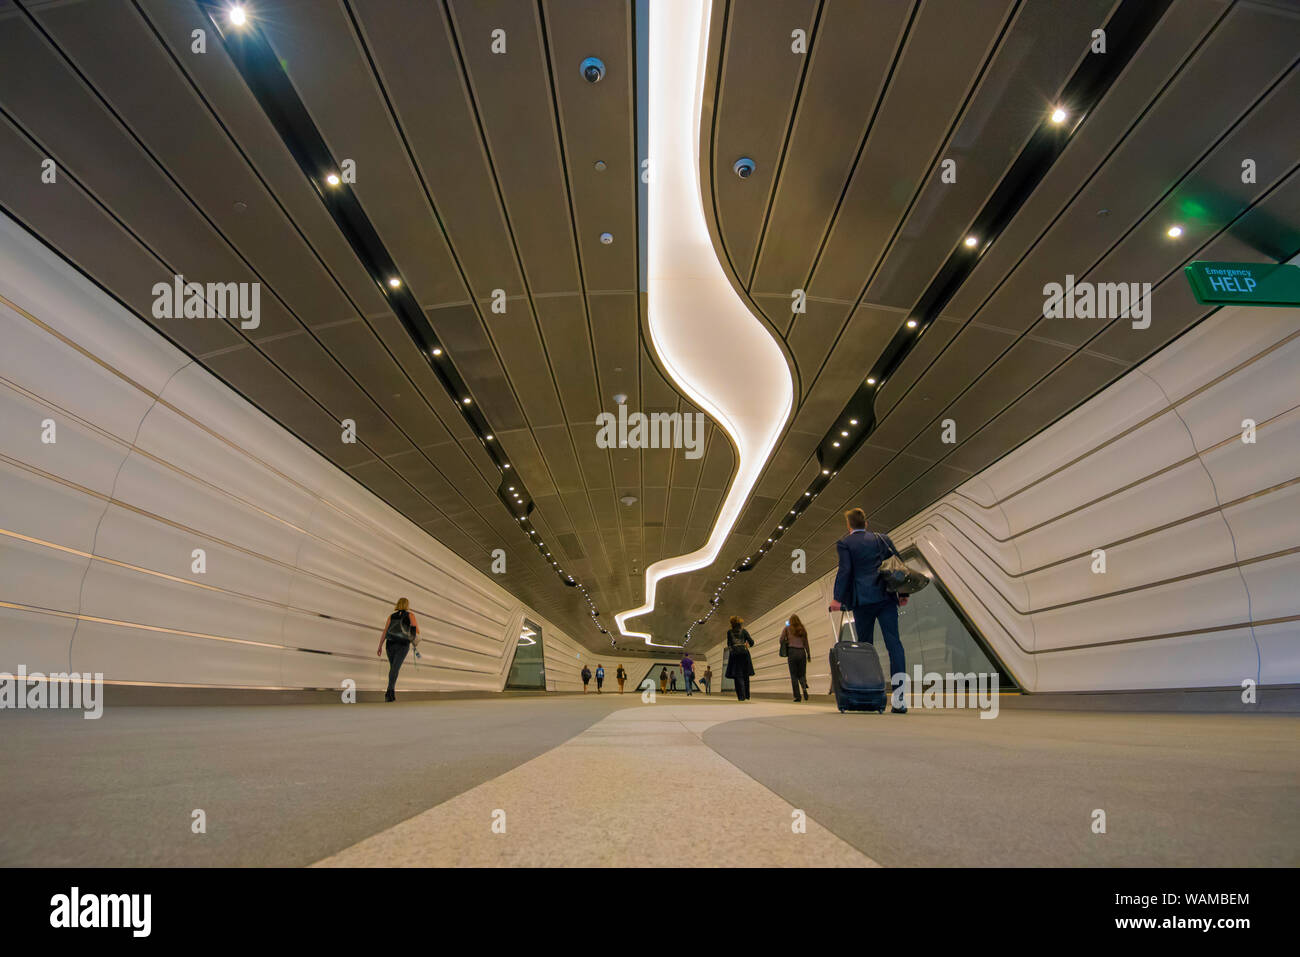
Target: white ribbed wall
[(1201, 531), (154, 458)]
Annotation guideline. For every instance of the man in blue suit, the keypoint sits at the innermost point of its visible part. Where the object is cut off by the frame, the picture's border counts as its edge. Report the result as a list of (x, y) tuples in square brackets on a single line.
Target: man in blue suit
[(858, 589)]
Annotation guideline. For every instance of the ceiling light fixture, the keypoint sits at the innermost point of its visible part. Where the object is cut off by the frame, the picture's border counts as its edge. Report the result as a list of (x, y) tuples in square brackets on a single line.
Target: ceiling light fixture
[(685, 284), (238, 16), (1174, 232), (394, 282), (437, 350), (911, 323), (1058, 116), (333, 179), (971, 242)]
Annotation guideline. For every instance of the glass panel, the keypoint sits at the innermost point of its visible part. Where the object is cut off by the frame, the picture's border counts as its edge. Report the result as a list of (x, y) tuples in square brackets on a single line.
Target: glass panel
[(934, 633), (528, 669), (675, 681)]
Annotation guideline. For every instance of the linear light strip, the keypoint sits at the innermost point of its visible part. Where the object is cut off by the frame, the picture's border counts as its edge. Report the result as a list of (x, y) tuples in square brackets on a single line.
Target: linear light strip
[(703, 333)]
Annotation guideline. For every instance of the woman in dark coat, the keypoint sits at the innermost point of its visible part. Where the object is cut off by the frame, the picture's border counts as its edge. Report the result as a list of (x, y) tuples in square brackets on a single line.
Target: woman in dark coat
[(739, 664)]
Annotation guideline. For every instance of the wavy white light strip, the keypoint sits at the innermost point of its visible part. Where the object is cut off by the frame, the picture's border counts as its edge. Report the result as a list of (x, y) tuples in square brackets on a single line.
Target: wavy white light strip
[(717, 353)]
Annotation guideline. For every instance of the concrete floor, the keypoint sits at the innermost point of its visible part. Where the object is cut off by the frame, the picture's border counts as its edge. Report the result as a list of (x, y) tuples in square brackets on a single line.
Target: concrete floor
[(609, 780)]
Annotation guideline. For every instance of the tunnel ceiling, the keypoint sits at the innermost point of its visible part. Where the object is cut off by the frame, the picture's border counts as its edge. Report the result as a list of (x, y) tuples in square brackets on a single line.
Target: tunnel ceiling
[(490, 177)]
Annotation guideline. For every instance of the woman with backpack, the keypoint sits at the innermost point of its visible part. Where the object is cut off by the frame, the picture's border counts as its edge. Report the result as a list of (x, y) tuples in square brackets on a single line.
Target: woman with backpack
[(399, 633), (739, 663), (600, 678), (586, 676)]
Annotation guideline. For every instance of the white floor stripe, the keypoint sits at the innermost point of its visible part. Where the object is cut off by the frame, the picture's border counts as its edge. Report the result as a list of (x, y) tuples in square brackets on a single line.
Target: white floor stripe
[(638, 788)]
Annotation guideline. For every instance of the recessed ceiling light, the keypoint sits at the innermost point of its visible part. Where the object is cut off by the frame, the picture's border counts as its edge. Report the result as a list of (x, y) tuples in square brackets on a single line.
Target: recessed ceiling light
[(855, 421), (1058, 115), (836, 444), (437, 350), (487, 438), (332, 179), (394, 282), (971, 242), (871, 381), (606, 238), (238, 16), (1175, 232), (911, 323), (826, 471), (845, 434), (465, 401), (506, 466)]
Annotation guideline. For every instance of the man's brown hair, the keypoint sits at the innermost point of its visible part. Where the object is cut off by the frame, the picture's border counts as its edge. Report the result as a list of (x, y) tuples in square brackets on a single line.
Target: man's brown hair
[(736, 621), (856, 518)]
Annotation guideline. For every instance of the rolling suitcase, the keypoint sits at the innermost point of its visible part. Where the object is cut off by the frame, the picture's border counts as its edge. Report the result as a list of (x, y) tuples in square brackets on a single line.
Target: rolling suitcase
[(856, 679)]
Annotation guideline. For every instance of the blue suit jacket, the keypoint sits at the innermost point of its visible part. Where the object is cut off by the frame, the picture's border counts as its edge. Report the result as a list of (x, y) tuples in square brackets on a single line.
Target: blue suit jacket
[(857, 582)]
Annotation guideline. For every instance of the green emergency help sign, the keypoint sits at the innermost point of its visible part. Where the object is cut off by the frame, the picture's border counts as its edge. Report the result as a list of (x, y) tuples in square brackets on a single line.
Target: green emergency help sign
[(1244, 284)]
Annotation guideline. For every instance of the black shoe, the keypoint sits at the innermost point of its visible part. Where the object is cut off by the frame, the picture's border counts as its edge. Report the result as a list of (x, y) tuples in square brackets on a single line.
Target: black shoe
[(797, 700), (805, 694), (390, 697)]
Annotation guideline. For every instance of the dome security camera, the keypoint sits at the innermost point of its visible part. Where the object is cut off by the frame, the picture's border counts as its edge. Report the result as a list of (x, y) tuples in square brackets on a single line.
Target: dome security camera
[(593, 71), (744, 167)]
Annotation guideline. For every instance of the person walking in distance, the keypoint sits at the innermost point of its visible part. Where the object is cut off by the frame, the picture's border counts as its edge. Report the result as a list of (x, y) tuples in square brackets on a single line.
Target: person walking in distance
[(798, 651), (858, 590), (663, 680), (600, 678), (586, 676), (740, 666), (707, 680), (400, 632), (688, 672), (620, 676)]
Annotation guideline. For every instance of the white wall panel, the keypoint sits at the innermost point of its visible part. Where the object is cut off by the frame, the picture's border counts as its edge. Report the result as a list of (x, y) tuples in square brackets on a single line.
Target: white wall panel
[(1153, 470), (303, 564)]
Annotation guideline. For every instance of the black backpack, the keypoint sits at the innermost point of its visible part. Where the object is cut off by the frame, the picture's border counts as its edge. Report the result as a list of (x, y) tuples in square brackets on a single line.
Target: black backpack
[(399, 626)]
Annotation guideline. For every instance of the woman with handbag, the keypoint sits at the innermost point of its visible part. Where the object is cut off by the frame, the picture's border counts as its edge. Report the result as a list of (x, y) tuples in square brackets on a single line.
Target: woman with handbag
[(796, 650), (399, 634), (740, 666)]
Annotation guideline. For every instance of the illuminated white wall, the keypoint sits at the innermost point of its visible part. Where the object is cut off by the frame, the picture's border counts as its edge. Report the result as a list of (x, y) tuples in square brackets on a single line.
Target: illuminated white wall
[(1201, 531), (154, 458)]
